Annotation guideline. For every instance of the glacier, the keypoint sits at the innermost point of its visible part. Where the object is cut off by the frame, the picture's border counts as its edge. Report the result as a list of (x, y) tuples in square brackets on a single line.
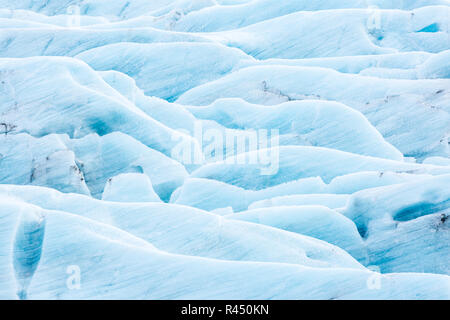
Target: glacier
[(225, 149)]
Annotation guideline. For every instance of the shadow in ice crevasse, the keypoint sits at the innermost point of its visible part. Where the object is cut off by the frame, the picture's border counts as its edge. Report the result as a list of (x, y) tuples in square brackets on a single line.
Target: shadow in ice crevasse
[(27, 252)]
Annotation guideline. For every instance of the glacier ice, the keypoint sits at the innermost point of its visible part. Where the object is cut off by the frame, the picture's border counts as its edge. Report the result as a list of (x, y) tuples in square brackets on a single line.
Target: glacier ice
[(46, 162), (396, 107), (165, 70), (118, 161), (316, 221), (130, 187), (295, 162), (331, 201), (151, 273), (191, 231)]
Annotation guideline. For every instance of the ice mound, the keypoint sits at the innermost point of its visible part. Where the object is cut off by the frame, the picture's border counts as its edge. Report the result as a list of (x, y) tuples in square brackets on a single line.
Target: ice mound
[(165, 70), (50, 41), (316, 123), (208, 194), (124, 154), (130, 187), (61, 253), (224, 149), (190, 231), (315, 221), (88, 104), (296, 162), (415, 214), (46, 162), (396, 107)]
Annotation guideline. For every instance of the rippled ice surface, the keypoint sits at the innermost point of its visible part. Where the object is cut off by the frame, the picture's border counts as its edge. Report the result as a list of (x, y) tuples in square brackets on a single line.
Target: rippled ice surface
[(224, 149)]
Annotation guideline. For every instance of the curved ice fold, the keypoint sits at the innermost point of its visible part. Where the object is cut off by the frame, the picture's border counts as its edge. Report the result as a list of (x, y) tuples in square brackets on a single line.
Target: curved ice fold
[(318, 123), (165, 70), (130, 187), (315, 221)]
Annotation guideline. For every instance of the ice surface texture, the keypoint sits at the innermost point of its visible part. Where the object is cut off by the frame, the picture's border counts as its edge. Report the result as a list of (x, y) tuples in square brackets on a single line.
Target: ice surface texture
[(121, 175)]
